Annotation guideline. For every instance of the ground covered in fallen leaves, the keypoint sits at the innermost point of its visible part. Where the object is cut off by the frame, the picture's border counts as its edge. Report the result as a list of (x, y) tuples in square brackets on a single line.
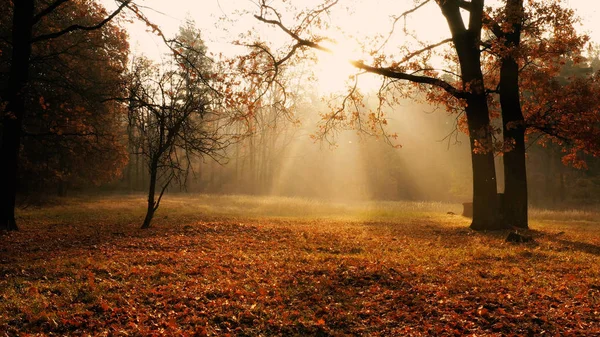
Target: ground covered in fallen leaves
[(270, 267)]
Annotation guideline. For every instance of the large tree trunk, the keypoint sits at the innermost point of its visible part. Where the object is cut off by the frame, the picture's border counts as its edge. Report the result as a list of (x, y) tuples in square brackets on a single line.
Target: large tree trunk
[(485, 199), (467, 44), (513, 125), (151, 195), (12, 119)]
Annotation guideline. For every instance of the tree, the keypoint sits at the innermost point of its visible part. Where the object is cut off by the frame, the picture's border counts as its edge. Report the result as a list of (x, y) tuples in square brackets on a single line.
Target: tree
[(471, 91), (69, 115), (564, 109), (514, 210), (174, 116), (563, 117), (520, 45), (24, 20)]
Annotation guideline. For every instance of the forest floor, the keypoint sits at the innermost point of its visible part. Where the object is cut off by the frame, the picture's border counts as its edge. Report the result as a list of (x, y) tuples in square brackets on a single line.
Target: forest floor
[(251, 266)]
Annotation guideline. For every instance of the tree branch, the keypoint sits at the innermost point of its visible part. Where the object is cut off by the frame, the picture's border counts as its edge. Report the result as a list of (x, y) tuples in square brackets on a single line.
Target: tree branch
[(466, 5), (48, 10), (476, 17), (389, 72), (424, 49), (397, 18), (169, 43), (162, 192), (493, 26), (301, 41), (77, 27), (451, 12)]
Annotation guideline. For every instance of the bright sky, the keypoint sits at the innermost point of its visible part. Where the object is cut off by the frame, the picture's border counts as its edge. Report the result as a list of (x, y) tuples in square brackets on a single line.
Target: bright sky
[(366, 19), (169, 14), (218, 34)]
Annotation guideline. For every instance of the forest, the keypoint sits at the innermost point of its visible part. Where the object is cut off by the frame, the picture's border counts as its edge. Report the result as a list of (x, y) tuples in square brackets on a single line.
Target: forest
[(294, 168)]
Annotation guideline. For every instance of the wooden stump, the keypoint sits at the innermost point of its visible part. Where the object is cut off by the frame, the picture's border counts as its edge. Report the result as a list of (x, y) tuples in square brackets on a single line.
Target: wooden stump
[(467, 209)]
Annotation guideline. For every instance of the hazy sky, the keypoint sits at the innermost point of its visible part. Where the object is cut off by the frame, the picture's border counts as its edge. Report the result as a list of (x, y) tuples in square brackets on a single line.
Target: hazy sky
[(366, 19), (170, 13)]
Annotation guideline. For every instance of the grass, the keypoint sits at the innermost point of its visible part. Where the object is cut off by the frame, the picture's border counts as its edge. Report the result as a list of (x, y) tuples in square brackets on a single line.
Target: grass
[(265, 266)]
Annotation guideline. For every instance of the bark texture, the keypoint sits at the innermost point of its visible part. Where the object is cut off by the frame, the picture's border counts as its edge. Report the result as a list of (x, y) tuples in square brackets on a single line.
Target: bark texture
[(513, 124), (467, 40)]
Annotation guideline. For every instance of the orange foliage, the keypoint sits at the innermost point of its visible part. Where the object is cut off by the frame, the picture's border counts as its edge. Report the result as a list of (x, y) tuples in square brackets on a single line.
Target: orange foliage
[(558, 106), (70, 116)]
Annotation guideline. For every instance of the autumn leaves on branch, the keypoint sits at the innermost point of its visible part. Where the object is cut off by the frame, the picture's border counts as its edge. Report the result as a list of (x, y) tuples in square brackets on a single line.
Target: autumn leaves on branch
[(519, 51)]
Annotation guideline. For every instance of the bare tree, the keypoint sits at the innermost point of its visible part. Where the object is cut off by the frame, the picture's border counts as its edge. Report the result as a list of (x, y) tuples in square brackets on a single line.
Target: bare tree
[(174, 117)]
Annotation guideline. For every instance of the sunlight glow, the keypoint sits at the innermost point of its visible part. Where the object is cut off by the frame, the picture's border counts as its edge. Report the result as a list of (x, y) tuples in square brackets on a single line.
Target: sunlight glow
[(344, 180), (333, 71), (366, 20)]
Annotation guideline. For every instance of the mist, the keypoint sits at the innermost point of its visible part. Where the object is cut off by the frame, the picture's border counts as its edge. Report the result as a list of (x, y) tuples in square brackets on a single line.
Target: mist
[(281, 157), (431, 163)]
